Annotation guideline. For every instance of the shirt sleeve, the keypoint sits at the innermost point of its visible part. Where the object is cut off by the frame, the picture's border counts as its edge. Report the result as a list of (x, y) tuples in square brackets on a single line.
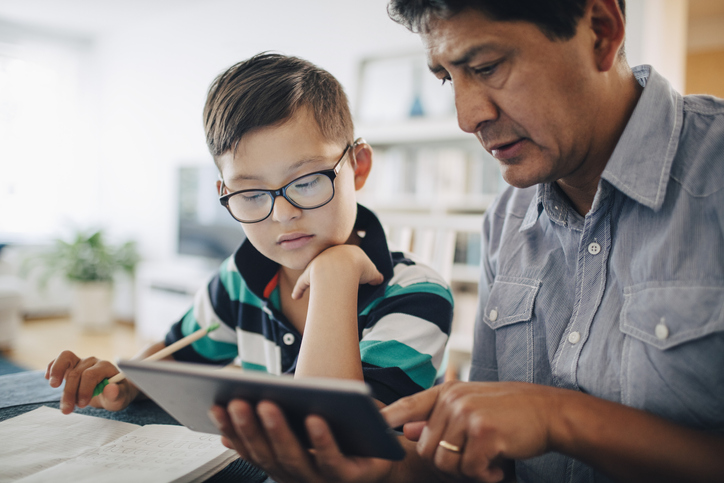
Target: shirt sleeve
[(405, 335), (212, 305)]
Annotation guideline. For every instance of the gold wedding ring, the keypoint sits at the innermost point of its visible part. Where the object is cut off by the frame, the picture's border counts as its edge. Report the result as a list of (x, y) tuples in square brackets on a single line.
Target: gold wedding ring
[(450, 447)]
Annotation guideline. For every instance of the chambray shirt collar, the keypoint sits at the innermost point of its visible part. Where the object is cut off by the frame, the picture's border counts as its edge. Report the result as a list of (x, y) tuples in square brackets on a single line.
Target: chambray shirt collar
[(641, 162)]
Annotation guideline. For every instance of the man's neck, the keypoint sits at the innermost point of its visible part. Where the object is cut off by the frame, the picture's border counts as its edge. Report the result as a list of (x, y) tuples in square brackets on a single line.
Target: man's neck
[(618, 103)]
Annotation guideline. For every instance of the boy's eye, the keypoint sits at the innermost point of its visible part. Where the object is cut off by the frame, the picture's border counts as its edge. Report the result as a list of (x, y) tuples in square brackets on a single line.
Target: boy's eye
[(307, 183), (255, 197)]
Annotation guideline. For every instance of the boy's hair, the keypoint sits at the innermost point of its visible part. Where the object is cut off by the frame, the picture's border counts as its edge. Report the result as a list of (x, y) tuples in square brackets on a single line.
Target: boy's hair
[(267, 90), (557, 19)]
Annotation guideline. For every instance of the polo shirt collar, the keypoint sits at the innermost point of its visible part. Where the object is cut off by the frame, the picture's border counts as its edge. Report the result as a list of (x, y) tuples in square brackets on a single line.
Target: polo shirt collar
[(258, 271)]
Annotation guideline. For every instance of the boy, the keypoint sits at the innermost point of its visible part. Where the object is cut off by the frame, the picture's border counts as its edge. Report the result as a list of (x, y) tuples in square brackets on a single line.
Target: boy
[(314, 290)]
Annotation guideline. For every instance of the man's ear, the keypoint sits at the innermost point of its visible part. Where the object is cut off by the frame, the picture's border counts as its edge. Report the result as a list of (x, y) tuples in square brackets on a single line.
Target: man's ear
[(363, 164), (218, 187), (609, 29)]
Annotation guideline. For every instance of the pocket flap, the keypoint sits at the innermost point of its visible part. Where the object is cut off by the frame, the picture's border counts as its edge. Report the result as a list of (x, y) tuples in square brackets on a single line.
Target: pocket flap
[(511, 301), (668, 314)]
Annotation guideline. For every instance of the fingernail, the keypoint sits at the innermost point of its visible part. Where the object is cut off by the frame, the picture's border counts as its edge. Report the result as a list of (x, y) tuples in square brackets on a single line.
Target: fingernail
[(82, 402), (65, 406), (53, 381)]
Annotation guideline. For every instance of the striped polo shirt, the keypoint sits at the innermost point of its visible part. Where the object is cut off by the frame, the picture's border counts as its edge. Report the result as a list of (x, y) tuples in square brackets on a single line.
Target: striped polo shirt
[(403, 323)]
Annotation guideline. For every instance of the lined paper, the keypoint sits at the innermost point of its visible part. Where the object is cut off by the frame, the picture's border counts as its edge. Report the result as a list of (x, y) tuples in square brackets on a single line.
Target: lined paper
[(50, 446)]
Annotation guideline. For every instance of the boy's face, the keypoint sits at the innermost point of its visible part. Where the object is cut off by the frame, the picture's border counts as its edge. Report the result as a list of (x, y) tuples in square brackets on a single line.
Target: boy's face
[(271, 157)]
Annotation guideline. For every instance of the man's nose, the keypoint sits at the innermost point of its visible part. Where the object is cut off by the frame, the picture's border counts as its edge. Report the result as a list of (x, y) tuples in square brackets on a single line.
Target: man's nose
[(473, 104), (284, 211)]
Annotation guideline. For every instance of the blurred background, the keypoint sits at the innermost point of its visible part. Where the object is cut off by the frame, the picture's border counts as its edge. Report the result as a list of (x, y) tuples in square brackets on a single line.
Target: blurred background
[(100, 131)]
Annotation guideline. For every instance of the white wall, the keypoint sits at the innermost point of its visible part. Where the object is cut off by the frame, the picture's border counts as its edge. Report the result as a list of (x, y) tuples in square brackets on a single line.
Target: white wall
[(154, 77)]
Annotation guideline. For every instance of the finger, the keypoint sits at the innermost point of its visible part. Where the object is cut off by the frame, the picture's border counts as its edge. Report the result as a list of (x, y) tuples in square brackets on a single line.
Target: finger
[(289, 453), (91, 377), (328, 457), (479, 461), (247, 427), (72, 378), (59, 366), (220, 417), (413, 430), (47, 369), (302, 285), (412, 408), (446, 458)]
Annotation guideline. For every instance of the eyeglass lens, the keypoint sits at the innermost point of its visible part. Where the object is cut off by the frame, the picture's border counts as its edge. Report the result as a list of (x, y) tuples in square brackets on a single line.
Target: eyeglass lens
[(307, 192)]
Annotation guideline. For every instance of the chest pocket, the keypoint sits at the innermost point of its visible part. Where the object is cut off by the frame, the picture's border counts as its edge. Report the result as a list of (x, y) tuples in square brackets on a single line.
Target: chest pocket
[(673, 354), (509, 312)]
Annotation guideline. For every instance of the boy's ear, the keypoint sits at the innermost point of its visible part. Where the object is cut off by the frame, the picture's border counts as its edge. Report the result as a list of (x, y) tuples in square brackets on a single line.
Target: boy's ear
[(218, 187), (363, 158)]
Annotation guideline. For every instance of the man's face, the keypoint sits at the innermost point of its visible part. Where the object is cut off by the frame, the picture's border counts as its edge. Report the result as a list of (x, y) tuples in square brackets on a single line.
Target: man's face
[(271, 157), (528, 99)]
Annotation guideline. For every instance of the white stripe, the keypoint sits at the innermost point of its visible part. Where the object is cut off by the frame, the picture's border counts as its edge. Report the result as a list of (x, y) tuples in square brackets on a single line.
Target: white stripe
[(256, 349), (419, 334), (406, 275), (206, 316)]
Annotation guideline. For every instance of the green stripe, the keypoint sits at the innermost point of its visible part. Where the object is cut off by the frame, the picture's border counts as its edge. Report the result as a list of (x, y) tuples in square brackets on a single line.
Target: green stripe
[(253, 367), (391, 353), (236, 287), (205, 347), (424, 287)]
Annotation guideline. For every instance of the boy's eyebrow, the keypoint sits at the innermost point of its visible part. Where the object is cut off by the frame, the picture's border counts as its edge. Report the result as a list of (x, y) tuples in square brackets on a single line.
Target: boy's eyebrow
[(292, 167)]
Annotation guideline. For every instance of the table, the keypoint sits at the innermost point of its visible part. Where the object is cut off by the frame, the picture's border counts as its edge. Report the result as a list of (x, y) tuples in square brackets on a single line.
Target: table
[(25, 391)]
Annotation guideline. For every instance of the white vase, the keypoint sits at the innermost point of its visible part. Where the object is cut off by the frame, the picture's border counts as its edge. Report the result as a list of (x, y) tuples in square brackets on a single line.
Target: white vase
[(92, 306)]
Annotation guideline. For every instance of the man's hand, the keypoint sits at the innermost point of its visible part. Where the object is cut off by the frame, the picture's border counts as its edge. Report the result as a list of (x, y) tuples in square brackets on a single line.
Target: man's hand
[(490, 422), (81, 377), (265, 439)]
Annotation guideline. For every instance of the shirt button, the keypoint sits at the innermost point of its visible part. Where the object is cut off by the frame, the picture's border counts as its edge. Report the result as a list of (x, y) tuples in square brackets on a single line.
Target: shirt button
[(661, 331), (594, 248), (288, 338), (493, 315), (574, 337)]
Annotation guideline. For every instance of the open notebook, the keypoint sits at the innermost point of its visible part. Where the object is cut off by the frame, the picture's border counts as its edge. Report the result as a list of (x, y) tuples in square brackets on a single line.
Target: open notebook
[(46, 445)]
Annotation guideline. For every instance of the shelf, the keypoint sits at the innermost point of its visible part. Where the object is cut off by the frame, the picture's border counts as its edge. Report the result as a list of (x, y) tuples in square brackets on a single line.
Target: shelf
[(415, 130)]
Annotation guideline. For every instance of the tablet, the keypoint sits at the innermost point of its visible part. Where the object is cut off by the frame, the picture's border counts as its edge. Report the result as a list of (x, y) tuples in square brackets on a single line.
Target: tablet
[(186, 391)]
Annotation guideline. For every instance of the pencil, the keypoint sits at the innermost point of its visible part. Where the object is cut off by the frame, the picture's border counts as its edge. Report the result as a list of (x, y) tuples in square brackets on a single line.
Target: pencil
[(166, 351)]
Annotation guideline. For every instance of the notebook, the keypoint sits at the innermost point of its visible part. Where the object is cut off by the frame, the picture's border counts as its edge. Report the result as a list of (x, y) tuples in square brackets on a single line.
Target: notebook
[(45, 445)]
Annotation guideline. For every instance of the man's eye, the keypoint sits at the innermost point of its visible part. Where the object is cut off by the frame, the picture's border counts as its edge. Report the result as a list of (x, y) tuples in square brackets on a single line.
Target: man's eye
[(487, 70), (446, 79)]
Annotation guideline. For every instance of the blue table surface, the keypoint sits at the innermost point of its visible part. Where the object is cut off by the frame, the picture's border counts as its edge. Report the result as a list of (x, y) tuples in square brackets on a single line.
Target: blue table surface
[(25, 391)]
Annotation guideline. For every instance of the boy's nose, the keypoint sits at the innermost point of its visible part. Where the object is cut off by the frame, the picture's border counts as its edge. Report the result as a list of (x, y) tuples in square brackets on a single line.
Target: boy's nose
[(284, 211)]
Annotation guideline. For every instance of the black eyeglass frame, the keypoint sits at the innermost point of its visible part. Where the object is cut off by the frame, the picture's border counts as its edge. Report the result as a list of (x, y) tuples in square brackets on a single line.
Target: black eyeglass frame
[(330, 173)]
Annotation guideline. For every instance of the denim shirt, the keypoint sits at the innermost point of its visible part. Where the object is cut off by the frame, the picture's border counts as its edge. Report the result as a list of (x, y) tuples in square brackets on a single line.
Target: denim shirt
[(626, 303)]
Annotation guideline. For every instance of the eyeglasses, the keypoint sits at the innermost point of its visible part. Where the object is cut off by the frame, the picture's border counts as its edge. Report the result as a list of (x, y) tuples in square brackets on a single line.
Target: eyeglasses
[(306, 192)]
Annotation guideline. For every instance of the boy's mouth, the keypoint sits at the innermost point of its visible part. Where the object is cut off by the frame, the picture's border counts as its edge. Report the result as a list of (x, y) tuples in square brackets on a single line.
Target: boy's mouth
[(293, 240)]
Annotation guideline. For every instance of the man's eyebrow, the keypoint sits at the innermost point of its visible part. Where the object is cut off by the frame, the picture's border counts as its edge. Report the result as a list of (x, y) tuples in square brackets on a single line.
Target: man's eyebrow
[(465, 57)]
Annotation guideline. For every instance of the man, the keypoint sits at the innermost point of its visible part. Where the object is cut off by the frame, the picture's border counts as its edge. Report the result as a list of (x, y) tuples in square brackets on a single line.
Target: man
[(601, 321)]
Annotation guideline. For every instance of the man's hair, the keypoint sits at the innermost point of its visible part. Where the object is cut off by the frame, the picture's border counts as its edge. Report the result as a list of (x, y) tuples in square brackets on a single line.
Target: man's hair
[(267, 90), (557, 19)]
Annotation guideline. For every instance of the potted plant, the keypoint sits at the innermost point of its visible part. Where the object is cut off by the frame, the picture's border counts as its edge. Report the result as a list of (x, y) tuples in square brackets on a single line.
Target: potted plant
[(90, 264)]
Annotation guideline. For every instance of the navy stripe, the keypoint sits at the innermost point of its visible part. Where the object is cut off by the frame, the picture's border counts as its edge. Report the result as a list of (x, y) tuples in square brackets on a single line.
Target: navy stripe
[(389, 383), (225, 308), (188, 354)]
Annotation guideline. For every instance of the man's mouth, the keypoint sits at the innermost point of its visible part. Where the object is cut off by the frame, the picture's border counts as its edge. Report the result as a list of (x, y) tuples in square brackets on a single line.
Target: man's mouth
[(506, 150)]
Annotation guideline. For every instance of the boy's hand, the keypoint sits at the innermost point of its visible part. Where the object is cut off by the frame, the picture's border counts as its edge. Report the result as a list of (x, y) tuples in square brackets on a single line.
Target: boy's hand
[(264, 438), (350, 258), (81, 377)]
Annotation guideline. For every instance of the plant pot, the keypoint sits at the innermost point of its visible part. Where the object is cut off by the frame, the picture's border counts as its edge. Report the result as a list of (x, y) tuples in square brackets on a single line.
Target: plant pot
[(92, 306)]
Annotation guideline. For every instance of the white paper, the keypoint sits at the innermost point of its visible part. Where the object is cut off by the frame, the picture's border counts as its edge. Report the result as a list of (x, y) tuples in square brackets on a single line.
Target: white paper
[(50, 446)]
